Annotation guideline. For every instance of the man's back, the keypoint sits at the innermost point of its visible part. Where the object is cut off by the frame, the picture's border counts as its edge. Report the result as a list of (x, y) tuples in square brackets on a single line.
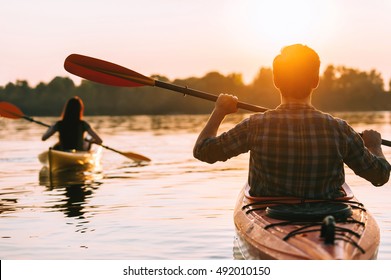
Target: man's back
[(299, 151), (295, 149)]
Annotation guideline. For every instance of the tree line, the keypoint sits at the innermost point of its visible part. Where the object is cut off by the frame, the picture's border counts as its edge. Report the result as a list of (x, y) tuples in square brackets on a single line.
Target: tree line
[(341, 89)]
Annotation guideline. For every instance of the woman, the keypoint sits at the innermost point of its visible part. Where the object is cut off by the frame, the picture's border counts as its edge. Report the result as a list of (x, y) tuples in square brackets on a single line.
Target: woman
[(72, 128)]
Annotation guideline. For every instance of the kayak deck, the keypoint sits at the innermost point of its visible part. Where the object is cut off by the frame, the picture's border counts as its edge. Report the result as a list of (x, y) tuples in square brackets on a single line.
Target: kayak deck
[(60, 160), (260, 236)]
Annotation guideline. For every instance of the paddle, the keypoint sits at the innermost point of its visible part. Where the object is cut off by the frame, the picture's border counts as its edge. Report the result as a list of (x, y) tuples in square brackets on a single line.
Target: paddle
[(11, 111), (108, 73)]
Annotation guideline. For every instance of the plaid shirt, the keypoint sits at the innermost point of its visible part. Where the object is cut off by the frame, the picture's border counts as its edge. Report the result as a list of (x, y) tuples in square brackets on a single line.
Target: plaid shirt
[(295, 150)]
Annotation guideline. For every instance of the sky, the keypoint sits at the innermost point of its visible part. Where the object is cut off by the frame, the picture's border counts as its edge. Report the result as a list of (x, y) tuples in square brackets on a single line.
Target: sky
[(181, 39)]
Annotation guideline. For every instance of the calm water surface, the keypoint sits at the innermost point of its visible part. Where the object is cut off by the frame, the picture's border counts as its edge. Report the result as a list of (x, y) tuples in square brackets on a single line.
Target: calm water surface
[(173, 208)]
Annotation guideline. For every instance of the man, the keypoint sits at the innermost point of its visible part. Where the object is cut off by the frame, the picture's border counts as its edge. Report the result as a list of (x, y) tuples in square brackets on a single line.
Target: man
[(295, 149)]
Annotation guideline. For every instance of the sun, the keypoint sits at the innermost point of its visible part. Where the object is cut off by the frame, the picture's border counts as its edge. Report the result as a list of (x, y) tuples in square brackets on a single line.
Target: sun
[(285, 22)]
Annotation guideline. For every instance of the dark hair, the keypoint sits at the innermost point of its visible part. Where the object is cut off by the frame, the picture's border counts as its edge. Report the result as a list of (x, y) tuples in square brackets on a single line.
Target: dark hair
[(296, 70), (73, 110)]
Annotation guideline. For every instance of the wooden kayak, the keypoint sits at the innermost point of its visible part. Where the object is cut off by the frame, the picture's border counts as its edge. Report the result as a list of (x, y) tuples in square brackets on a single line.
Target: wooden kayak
[(61, 160), (286, 228)]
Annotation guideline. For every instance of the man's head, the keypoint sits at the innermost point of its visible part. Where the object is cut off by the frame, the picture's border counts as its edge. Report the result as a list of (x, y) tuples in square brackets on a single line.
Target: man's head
[(296, 71)]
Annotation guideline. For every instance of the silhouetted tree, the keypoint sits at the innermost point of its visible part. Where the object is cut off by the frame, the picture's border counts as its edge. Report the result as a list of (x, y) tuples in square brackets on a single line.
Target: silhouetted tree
[(341, 89)]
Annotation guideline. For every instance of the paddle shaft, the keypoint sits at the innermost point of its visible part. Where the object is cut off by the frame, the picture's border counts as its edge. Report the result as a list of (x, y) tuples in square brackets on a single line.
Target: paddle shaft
[(207, 96), (386, 142), (111, 149), (32, 120)]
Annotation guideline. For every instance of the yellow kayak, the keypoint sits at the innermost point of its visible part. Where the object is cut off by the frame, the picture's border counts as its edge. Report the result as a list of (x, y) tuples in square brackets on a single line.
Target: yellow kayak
[(286, 228), (59, 160)]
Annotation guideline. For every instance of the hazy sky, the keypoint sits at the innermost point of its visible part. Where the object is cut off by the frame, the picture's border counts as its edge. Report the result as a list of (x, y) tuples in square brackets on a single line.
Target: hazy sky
[(179, 38)]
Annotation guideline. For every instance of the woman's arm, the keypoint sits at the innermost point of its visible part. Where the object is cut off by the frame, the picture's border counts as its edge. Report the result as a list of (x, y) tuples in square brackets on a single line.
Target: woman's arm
[(95, 137), (51, 130)]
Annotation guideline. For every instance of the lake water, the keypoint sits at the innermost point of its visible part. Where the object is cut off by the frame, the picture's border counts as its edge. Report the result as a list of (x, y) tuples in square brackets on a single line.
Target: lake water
[(172, 208)]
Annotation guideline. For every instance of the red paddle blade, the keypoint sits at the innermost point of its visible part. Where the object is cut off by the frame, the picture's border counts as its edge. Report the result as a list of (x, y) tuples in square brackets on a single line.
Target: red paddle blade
[(8, 110), (104, 72)]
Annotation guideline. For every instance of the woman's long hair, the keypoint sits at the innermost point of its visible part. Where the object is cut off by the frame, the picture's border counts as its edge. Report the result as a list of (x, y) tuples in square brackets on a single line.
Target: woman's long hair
[(73, 110)]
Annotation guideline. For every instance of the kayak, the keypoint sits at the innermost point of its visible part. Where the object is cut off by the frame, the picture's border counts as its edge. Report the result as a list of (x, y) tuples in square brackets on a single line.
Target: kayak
[(288, 228), (61, 160)]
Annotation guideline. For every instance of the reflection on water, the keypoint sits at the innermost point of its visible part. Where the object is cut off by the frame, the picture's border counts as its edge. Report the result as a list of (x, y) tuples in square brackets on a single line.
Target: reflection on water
[(72, 176), (173, 208), (371, 118), (7, 205), (76, 185), (75, 199)]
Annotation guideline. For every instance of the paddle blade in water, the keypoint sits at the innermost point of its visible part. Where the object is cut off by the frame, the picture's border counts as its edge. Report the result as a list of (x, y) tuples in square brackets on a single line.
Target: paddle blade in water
[(104, 72), (135, 157), (8, 110)]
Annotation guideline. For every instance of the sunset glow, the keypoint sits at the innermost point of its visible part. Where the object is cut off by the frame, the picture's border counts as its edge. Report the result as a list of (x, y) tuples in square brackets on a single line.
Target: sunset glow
[(287, 22), (180, 39)]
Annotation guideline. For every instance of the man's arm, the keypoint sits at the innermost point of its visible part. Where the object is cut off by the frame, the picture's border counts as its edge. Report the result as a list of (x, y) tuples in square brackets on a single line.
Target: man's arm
[(372, 140), (225, 104)]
